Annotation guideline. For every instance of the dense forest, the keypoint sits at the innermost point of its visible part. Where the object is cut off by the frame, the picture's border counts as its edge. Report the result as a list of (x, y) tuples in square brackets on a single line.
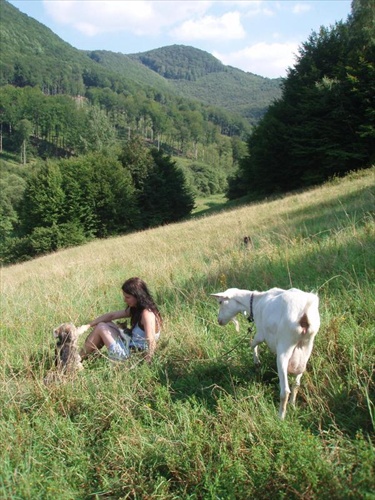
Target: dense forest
[(324, 123), (66, 202), (78, 124), (111, 143)]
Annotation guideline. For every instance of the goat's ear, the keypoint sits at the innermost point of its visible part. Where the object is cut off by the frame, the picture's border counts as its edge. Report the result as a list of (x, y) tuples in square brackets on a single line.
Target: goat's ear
[(220, 296)]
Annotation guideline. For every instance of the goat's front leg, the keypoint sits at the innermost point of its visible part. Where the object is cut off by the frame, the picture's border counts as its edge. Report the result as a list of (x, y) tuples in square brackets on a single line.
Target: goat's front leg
[(254, 345), (256, 356)]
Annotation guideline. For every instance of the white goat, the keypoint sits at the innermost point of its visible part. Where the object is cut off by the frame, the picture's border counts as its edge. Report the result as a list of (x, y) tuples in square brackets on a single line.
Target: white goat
[(287, 320)]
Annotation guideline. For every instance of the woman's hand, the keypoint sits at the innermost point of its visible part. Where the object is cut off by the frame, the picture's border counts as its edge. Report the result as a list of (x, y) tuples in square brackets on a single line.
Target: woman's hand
[(82, 329)]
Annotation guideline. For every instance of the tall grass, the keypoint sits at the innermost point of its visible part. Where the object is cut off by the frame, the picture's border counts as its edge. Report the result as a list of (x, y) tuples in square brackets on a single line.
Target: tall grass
[(200, 422)]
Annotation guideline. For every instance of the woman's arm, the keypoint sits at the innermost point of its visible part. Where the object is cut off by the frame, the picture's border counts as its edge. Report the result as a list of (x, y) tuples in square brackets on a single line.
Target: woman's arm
[(110, 316), (149, 323), (105, 318)]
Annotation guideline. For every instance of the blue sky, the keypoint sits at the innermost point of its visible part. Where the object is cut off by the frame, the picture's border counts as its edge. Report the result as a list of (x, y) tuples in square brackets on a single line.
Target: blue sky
[(258, 36)]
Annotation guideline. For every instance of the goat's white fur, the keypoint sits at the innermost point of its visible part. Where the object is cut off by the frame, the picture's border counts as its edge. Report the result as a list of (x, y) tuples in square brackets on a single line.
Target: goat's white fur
[(286, 320)]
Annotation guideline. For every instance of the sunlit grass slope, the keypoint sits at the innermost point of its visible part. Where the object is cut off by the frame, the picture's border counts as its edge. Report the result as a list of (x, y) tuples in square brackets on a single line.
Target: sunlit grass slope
[(200, 422)]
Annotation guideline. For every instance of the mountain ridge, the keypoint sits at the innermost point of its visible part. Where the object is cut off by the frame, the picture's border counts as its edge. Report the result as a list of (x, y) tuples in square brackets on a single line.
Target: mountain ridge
[(197, 74), (27, 44)]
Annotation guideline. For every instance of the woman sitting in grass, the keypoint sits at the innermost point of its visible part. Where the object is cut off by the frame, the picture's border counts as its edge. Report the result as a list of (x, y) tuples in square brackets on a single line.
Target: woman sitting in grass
[(144, 329)]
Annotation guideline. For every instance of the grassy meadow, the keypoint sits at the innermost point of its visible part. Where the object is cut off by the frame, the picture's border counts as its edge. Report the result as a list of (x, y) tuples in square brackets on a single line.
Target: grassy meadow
[(200, 422)]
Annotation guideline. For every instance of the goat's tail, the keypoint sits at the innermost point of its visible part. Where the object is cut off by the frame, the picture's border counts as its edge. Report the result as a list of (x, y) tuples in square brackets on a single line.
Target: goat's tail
[(310, 319), (304, 324)]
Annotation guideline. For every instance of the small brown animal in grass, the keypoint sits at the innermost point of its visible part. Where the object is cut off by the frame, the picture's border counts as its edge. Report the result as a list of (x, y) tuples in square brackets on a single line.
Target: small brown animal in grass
[(67, 358), (247, 241)]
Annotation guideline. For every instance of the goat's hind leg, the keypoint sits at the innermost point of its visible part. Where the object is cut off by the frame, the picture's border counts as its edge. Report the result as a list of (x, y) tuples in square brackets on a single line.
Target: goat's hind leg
[(282, 369), (295, 388)]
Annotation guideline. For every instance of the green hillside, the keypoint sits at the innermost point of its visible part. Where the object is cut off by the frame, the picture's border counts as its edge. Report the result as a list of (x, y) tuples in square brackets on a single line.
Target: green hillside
[(178, 62), (236, 91), (22, 35), (201, 421), (197, 74), (131, 68), (31, 54)]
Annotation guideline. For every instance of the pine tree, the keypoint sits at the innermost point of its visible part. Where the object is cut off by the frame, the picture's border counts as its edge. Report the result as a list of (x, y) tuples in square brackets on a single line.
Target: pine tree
[(324, 123), (43, 197)]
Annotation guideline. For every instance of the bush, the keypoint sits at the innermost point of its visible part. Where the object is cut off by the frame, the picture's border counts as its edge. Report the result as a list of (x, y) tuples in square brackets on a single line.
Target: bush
[(44, 239), (204, 179), (41, 241), (14, 250), (70, 235)]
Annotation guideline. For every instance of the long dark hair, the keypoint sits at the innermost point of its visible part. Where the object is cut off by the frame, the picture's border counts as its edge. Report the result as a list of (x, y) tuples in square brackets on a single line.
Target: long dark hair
[(138, 289)]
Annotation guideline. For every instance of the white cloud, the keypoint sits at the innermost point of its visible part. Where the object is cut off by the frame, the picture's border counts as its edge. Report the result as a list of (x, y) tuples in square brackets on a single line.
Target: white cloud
[(301, 8), (226, 27), (267, 59), (257, 9), (87, 28), (244, 4), (92, 17)]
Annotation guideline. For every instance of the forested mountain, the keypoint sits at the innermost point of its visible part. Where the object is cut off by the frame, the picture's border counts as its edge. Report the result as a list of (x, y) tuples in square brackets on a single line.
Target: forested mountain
[(32, 54), (133, 70), (177, 62), (115, 95), (235, 90), (180, 116), (197, 74)]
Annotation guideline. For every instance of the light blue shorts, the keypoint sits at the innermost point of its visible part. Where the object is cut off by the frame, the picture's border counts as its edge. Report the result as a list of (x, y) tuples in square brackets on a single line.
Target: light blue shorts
[(118, 350)]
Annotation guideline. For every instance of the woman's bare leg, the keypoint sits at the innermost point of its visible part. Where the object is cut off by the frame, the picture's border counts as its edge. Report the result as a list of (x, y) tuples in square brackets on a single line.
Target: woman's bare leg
[(102, 334)]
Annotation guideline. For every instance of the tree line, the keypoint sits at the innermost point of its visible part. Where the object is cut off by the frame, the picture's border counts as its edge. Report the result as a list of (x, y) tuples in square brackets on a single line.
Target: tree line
[(82, 124), (69, 201), (324, 123)]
